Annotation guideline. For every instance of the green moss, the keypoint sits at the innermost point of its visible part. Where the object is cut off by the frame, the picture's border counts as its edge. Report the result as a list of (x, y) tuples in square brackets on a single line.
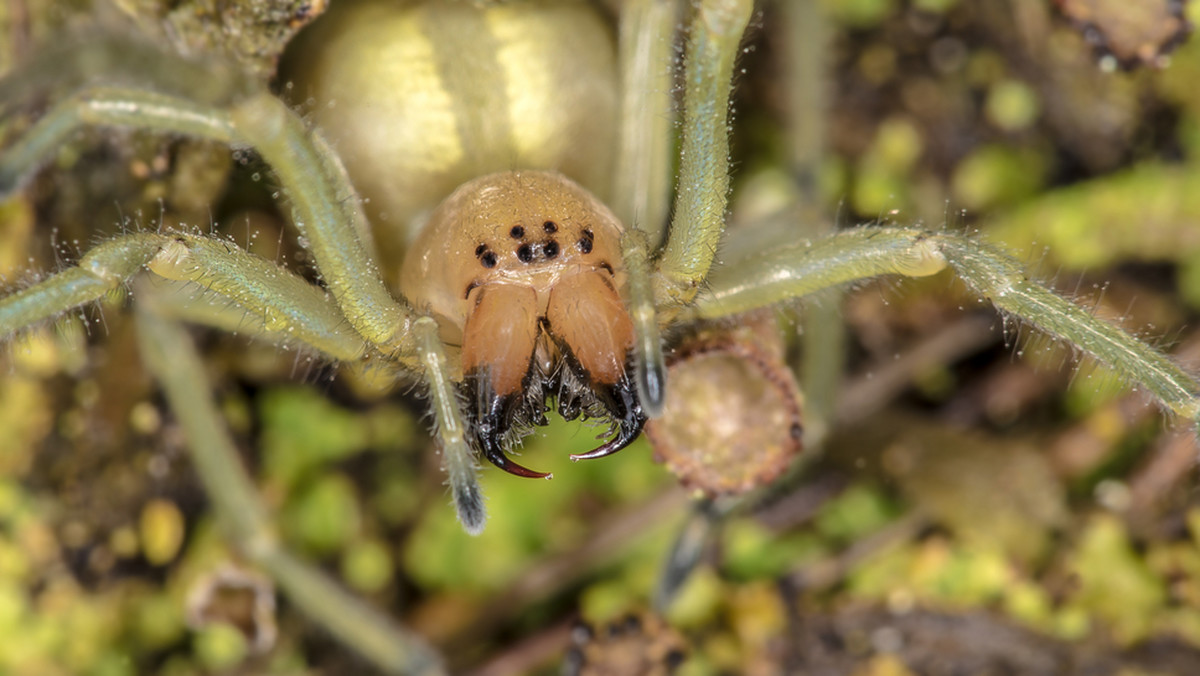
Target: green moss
[(528, 518), (1144, 214), (995, 176), (698, 602), (1012, 105), (156, 620), (860, 510), (161, 529), (323, 515), (937, 572), (752, 552), (882, 178), (220, 647), (936, 6), (1114, 583), (303, 432), (1029, 603), (859, 13), (367, 566)]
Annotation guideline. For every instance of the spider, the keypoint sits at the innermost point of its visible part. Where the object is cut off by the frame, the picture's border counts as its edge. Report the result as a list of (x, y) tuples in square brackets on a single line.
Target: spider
[(521, 288)]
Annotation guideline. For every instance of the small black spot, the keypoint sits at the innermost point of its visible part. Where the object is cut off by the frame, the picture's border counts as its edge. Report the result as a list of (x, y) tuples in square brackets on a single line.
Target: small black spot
[(550, 227), (488, 260), (525, 253), (517, 232), (480, 249), (585, 245), (550, 249)]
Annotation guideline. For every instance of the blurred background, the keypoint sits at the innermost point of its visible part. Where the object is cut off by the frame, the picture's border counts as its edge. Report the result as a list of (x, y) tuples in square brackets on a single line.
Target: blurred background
[(972, 500)]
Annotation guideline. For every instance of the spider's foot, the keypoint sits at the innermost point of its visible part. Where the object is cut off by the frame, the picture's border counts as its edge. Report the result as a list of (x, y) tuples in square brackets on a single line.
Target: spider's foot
[(622, 402)]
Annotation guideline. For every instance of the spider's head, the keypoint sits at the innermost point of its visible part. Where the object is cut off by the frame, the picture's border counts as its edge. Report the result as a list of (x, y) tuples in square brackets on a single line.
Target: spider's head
[(523, 270)]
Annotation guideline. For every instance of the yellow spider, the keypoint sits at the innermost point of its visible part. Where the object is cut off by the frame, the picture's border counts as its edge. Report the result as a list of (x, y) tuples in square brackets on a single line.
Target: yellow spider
[(521, 292)]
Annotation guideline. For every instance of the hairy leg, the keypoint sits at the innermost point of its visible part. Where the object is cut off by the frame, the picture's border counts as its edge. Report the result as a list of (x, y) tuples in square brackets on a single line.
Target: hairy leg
[(172, 359), (326, 208), (803, 268)]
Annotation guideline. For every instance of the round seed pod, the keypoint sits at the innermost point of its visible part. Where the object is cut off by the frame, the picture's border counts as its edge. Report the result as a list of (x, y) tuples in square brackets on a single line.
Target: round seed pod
[(732, 419)]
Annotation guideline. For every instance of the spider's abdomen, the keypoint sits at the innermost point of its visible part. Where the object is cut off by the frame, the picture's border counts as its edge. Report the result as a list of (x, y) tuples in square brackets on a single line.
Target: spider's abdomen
[(419, 98)]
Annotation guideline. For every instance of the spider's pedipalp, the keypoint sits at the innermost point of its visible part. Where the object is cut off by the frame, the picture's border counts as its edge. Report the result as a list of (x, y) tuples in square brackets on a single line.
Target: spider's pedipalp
[(649, 367), (451, 428)]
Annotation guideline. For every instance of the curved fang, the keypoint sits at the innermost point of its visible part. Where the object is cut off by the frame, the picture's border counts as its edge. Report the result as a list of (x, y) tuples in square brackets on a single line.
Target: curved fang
[(630, 419), (497, 457), (490, 430), (492, 423)]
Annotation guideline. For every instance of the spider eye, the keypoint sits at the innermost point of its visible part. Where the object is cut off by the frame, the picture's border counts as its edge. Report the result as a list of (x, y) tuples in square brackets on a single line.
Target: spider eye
[(517, 232), (550, 227), (525, 253), (550, 249), (585, 242), (488, 259)]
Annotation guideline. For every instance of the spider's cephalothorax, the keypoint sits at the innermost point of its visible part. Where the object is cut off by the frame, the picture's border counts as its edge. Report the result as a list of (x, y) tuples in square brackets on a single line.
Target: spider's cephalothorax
[(523, 270)]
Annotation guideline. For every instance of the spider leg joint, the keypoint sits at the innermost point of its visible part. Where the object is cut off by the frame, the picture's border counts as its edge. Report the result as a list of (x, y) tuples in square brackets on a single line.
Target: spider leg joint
[(923, 259)]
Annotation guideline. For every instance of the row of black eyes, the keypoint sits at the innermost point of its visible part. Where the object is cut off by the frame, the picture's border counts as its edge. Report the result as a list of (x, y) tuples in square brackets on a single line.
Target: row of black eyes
[(525, 253), (517, 232)]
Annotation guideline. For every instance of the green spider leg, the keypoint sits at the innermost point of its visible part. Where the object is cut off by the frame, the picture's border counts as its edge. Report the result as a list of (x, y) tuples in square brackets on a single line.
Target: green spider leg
[(642, 185), (171, 357), (798, 269), (657, 290), (807, 79), (643, 176), (279, 301), (326, 212), (793, 270), (650, 368), (702, 191)]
